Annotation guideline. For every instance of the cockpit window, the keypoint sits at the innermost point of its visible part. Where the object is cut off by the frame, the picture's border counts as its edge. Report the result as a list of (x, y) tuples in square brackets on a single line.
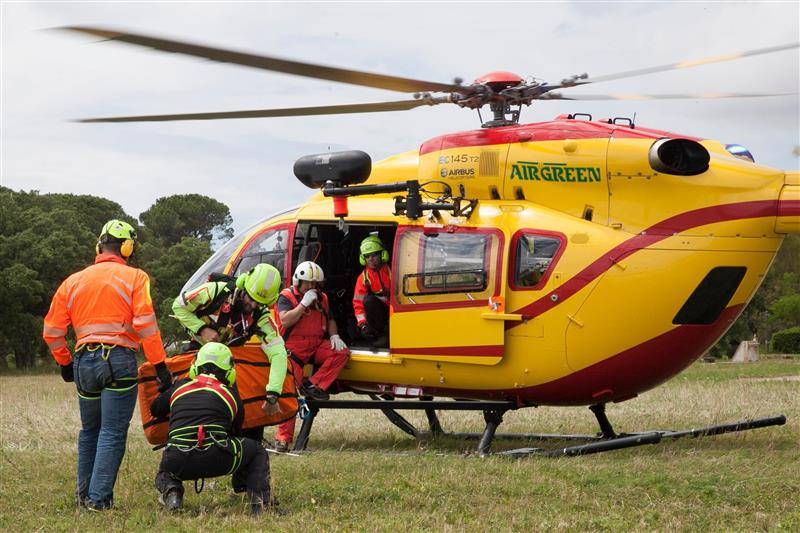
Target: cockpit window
[(217, 262), (269, 247)]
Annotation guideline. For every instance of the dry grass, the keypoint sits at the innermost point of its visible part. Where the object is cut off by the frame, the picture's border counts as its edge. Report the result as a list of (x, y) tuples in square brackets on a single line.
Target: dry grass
[(365, 475)]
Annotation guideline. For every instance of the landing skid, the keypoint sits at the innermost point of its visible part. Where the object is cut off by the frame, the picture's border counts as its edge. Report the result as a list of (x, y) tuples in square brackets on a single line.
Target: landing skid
[(493, 412), (628, 440)]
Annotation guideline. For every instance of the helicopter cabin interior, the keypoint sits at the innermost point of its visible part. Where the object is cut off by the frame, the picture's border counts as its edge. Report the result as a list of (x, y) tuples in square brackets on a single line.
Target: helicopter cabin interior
[(336, 251), (448, 275)]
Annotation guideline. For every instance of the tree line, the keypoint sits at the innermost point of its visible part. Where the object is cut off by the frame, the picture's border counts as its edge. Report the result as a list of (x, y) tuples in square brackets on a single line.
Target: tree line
[(46, 237), (773, 315)]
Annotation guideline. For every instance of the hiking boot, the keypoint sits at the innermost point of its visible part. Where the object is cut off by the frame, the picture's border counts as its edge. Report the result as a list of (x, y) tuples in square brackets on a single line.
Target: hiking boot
[(282, 446), (97, 506), (172, 500), (258, 503), (312, 391)]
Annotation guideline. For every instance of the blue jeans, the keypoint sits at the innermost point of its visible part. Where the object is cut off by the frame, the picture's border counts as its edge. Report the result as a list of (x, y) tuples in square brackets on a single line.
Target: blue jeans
[(106, 382)]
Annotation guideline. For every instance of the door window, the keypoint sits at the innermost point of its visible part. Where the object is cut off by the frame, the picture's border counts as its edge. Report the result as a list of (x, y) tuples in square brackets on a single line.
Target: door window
[(459, 269)]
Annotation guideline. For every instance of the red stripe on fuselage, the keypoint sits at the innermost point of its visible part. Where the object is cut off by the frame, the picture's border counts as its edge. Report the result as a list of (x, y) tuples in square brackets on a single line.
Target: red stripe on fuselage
[(789, 208), (556, 130), (648, 237), (633, 371)]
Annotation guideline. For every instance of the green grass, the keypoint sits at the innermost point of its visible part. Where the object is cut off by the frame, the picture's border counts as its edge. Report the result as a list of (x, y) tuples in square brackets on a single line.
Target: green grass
[(365, 475)]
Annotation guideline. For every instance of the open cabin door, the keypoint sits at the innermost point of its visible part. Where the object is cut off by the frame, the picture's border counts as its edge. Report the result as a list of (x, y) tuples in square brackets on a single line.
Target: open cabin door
[(443, 280)]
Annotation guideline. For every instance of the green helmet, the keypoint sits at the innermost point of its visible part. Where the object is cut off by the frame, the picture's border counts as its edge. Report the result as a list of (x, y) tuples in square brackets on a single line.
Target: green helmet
[(118, 229), (217, 354), (262, 283), (371, 245)]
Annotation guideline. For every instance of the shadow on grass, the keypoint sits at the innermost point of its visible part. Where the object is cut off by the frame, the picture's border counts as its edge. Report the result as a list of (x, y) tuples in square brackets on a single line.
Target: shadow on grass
[(776, 439)]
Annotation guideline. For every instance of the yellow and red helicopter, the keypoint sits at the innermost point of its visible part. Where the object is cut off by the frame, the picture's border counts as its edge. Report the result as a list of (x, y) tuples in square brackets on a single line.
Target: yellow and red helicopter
[(568, 262)]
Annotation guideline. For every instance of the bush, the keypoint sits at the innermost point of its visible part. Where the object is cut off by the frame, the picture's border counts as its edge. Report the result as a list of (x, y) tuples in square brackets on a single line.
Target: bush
[(786, 341)]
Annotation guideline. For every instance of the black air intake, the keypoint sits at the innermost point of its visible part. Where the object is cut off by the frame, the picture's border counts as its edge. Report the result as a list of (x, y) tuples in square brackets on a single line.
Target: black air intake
[(711, 296), (680, 157)]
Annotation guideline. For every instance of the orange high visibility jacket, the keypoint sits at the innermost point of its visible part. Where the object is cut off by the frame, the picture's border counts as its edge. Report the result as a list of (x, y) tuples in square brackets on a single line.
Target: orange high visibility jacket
[(376, 282), (109, 303)]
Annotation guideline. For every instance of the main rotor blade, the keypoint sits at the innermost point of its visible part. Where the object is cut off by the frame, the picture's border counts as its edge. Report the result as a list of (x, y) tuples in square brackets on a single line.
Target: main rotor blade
[(400, 105), (674, 66), (355, 77), (676, 96)]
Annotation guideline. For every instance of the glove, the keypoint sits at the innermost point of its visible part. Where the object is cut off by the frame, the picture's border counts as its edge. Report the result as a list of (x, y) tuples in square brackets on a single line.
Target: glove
[(308, 298), (367, 331), (67, 373), (337, 343), (163, 376)]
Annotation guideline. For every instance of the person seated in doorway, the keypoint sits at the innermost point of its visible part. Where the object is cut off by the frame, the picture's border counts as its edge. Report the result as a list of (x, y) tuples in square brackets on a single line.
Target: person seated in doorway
[(371, 294), (311, 336)]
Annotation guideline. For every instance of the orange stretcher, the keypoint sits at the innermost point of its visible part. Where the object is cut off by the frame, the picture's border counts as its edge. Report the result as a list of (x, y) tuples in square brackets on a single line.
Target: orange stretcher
[(252, 375)]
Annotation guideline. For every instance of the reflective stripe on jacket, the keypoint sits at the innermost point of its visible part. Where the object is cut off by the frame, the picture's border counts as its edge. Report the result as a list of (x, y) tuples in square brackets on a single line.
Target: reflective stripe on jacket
[(206, 384), (109, 303), (376, 282), (194, 307)]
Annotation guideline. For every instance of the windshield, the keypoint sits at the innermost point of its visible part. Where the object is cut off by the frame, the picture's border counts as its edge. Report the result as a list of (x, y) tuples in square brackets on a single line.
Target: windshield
[(220, 258)]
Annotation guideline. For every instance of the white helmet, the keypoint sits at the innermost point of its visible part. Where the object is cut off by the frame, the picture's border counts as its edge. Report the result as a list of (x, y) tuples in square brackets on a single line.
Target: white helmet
[(308, 271)]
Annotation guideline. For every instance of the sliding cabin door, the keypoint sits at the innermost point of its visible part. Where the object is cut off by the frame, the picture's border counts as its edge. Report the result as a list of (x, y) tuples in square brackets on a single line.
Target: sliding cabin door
[(443, 280)]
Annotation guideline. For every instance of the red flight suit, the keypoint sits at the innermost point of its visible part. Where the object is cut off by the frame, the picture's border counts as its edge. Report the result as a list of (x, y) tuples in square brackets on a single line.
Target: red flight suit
[(306, 342)]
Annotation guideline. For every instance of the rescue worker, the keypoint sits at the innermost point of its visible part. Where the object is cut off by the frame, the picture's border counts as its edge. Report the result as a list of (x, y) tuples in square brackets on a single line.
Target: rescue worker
[(371, 294), (108, 306), (233, 311), (205, 413), (305, 317)]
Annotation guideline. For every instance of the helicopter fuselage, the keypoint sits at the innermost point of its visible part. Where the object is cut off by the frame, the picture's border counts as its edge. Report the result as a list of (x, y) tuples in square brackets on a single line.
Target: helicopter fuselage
[(599, 262)]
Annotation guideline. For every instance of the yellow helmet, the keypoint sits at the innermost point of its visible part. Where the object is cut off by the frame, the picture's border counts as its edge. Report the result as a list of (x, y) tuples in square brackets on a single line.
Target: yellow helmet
[(118, 231), (372, 245), (216, 354), (262, 283)]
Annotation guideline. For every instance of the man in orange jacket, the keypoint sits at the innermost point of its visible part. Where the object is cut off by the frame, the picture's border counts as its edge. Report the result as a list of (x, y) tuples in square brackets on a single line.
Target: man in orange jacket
[(371, 293), (109, 308)]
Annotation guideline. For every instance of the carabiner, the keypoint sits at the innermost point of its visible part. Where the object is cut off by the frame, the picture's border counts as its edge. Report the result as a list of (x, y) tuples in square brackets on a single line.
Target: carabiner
[(303, 411)]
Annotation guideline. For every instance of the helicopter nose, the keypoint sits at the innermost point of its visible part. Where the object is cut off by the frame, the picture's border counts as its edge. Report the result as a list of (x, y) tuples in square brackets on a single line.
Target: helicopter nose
[(788, 219)]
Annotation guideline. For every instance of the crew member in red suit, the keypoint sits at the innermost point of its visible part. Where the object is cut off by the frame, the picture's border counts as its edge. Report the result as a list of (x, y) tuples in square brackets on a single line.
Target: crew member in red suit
[(311, 336)]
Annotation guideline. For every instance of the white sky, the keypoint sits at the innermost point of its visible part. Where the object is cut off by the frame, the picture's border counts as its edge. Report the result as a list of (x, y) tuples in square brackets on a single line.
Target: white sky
[(51, 77)]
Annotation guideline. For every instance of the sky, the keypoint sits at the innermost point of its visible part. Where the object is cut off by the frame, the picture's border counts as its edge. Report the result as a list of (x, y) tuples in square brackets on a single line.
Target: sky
[(50, 78)]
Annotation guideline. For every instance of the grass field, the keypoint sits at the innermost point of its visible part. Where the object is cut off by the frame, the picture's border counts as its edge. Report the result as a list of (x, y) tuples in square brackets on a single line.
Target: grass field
[(366, 475)]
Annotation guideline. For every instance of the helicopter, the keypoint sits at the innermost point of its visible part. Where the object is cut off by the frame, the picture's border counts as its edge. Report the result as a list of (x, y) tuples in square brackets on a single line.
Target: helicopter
[(568, 262)]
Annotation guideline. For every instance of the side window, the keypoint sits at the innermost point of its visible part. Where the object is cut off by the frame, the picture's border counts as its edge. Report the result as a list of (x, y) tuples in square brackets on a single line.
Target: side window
[(447, 267), (534, 255), (269, 247)]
